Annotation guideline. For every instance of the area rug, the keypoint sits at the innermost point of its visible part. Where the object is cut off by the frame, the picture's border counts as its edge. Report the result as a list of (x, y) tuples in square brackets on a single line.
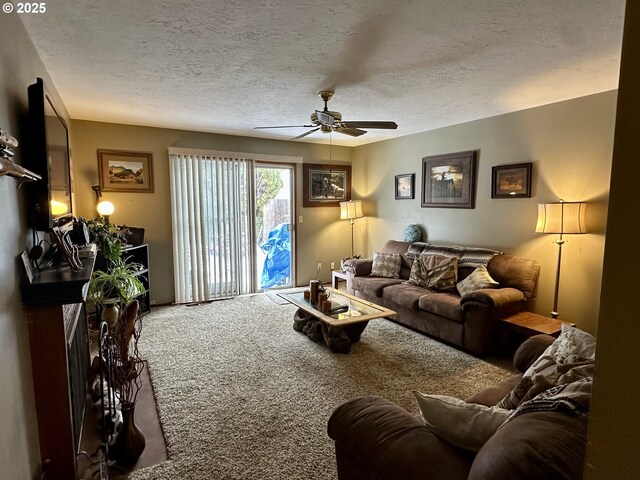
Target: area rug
[(241, 395)]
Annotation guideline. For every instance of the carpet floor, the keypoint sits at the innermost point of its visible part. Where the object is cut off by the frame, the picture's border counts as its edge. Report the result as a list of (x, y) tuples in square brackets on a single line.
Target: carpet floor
[(241, 395)]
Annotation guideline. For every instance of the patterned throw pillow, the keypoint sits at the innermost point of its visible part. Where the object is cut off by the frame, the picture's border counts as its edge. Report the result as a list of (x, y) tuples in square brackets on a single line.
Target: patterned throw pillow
[(441, 273), (437, 272), (478, 280), (416, 277), (386, 265)]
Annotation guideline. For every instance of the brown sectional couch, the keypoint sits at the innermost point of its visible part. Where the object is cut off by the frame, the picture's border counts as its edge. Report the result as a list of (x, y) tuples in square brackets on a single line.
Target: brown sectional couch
[(469, 321), (376, 439)]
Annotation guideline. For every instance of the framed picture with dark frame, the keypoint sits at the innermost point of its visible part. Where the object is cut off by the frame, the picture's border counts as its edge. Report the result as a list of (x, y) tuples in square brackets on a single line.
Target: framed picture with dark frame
[(122, 171), (511, 181), (449, 180), (405, 186), (325, 185)]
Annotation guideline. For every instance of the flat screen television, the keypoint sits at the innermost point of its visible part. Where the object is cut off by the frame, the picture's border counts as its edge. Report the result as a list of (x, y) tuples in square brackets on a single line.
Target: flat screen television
[(49, 199)]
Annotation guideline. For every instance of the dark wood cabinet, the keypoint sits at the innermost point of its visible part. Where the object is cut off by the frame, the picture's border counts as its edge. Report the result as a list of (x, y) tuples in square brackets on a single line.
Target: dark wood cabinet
[(53, 304)]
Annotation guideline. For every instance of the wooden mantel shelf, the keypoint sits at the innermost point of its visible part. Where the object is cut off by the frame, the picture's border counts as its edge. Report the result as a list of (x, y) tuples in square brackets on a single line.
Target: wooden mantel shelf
[(58, 286)]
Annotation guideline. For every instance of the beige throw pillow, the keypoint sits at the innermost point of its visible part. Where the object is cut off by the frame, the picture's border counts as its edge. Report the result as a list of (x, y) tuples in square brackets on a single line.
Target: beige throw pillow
[(477, 280), (465, 425), (386, 265)]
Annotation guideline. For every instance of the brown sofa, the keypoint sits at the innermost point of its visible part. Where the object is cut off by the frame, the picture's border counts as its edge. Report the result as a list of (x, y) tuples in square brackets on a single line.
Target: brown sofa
[(376, 439), (468, 322)]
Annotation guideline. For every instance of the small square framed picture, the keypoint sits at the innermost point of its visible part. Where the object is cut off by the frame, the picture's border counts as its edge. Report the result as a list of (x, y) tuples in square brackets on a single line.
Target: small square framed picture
[(405, 186), (511, 181)]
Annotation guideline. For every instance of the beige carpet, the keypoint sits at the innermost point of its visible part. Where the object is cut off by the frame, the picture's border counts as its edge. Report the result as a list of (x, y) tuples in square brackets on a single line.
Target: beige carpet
[(241, 395)]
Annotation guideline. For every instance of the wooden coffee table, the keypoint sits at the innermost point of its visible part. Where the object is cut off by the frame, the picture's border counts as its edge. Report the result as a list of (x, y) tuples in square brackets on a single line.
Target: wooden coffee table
[(341, 328)]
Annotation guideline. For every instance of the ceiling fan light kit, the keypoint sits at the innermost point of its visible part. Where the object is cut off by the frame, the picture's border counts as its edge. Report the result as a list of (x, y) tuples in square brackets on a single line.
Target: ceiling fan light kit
[(328, 121)]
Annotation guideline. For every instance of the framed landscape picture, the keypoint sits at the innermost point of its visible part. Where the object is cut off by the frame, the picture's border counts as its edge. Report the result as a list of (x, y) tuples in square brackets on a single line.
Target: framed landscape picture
[(121, 171), (325, 185), (449, 181), (405, 186), (511, 181)]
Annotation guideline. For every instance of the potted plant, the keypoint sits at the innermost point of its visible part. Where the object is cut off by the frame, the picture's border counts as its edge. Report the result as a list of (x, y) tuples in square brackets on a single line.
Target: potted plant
[(115, 287), (109, 239)]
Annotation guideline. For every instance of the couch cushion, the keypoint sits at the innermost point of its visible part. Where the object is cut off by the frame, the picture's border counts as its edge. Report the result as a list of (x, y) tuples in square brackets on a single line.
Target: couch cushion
[(443, 304), (386, 265), (490, 396), (403, 294), (373, 286), (396, 246), (533, 446), (515, 272)]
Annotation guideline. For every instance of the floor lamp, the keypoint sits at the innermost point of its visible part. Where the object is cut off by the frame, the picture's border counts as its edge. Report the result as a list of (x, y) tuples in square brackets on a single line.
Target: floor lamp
[(349, 211), (560, 218)]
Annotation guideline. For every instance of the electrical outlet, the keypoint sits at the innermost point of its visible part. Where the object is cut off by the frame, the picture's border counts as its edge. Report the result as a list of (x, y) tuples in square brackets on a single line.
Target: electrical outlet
[(319, 266), (153, 302), (333, 265)]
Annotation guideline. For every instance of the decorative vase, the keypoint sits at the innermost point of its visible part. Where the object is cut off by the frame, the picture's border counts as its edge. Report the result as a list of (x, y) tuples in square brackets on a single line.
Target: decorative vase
[(110, 313), (130, 441)]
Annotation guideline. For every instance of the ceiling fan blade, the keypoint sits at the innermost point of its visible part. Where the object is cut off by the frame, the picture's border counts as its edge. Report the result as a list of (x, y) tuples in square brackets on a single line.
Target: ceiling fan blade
[(364, 124), (286, 126), (306, 133), (325, 117), (354, 132)]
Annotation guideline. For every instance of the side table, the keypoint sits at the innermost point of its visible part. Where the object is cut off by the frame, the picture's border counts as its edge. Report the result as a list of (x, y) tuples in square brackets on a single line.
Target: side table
[(530, 323), (336, 276), (522, 325)]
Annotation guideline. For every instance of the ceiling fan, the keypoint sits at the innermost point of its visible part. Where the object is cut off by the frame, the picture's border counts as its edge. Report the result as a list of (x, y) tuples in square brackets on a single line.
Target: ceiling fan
[(328, 121)]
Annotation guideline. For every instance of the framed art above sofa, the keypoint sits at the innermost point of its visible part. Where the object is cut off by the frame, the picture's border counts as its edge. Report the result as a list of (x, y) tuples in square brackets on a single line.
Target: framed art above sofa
[(405, 186), (511, 181), (449, 181)]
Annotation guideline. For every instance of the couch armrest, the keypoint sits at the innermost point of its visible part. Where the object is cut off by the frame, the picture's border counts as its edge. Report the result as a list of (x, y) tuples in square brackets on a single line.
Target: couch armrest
[(497, 298), (377, 439), (359, 267), (529, 351)]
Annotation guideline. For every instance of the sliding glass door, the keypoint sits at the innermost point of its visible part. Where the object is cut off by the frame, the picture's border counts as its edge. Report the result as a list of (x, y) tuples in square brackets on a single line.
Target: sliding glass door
[(275, 236)]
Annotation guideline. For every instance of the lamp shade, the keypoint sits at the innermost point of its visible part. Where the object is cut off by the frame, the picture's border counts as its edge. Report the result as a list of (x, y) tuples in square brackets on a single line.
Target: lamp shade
[(561, 217), (105, 208), (351, 209), (58, 208)]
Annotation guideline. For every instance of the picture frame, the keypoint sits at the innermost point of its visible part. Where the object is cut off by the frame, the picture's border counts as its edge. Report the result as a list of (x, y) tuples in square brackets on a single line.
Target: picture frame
[(325, 185), (125, 171), (449, 180), (405, 186), (511, 181)]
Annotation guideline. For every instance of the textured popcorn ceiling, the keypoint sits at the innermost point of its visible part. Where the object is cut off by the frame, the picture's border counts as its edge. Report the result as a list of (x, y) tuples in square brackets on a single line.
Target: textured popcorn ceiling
[(227, 66)]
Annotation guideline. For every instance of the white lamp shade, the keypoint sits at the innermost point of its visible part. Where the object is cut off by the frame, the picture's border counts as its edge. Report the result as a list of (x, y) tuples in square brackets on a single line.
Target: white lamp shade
[(561, 217), (351, 209), (105, 208)]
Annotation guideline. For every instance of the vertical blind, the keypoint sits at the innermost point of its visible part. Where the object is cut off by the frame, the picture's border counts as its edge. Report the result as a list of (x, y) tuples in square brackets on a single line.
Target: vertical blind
[(212, 210)]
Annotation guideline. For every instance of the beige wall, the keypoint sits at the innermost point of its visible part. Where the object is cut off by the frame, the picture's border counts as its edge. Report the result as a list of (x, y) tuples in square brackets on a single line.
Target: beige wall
[(570, 145), (19, 67), (614, 437), (316, 235)]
